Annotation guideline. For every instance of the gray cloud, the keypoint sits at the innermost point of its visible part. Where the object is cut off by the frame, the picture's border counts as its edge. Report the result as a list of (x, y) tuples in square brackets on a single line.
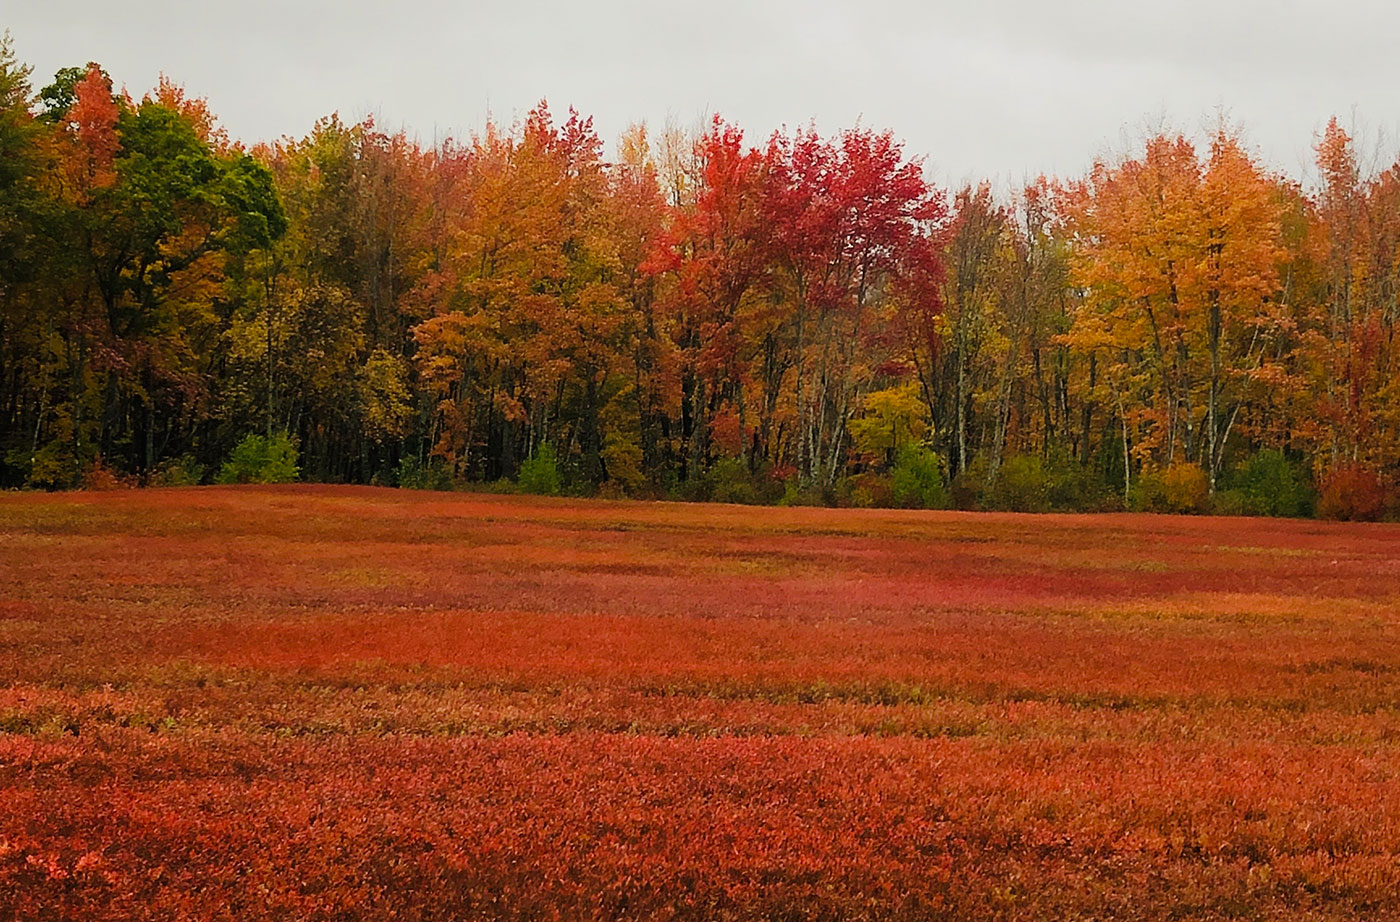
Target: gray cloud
[(1004, 88)]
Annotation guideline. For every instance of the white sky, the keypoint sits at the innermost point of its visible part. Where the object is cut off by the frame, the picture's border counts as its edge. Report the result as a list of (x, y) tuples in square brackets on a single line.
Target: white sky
[(997, 88)]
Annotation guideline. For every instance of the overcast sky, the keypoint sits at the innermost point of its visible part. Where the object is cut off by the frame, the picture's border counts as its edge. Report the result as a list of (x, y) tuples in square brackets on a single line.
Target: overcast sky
[(999, 88)]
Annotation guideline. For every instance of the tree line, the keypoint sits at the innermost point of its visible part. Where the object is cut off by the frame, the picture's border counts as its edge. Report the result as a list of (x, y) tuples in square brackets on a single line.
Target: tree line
[(804, 319)]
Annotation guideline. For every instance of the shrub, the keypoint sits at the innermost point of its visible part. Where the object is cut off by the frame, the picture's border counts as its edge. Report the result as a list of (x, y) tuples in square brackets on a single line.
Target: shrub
[(540, 474), (1034, 483), (258, 459), (1232, 502), (770, 482), (611, 489), (870, 490), (794, 494), (1022, 485), (1267, 484), (1187, 488), (183, 471), (99, 476), (729, 481), (916, 480), (50, 468), (623, 458), (1353, 493), (691, 489), (967, 490), (413, 474), (1181, 488), (1149, 493), (1076, 488)]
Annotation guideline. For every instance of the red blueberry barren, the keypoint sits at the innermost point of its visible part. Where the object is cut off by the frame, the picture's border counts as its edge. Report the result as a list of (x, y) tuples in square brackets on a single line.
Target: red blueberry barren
[(350, 703)]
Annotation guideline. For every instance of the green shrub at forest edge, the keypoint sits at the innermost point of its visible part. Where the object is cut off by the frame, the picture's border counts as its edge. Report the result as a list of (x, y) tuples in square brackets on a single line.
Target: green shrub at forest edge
[(413, 474), (1270, 484), (917, 479), (540, 474), (258, 459)]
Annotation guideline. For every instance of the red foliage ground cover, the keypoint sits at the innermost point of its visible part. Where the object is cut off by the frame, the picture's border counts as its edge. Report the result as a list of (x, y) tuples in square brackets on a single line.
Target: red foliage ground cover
[(347, 703)]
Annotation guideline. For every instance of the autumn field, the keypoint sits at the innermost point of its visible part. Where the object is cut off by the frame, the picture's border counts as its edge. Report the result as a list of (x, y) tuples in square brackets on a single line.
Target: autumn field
[(352, 703)]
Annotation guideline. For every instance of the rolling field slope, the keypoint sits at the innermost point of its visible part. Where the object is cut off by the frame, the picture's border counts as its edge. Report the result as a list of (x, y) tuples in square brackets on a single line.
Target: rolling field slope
[(347, 703)]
